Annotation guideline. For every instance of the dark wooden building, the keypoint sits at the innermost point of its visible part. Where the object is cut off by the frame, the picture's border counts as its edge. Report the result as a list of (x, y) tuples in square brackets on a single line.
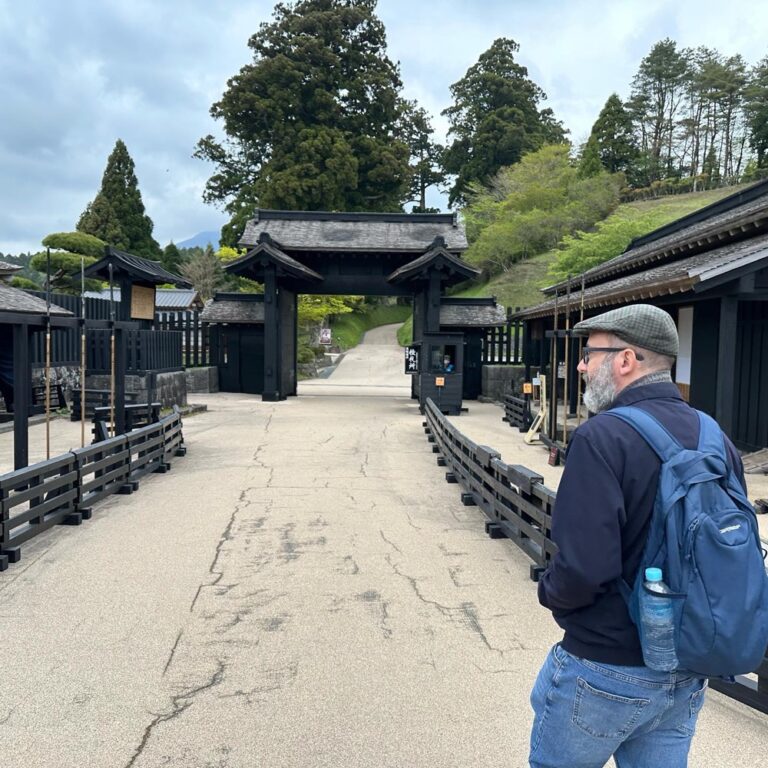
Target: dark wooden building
[(373, 254), (709, 270)]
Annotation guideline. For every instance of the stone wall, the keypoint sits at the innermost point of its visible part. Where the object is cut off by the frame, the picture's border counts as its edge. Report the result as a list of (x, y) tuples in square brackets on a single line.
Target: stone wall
[(204, 379), (499, 380)]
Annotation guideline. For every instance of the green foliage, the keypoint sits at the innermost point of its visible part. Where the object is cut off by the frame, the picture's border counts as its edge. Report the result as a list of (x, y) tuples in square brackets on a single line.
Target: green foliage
[(589, 163), (205, 272), (77, 243), (756, 108), (24, 283), (69, 252), (530, 206), (314, 309), (117, 213), (313, 123), (614, 135), (426, 157), (495, 119), (611, 237)]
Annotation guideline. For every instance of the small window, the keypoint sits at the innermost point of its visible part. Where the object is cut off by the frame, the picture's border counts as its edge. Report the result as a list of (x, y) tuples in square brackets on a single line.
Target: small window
[(443, 359)]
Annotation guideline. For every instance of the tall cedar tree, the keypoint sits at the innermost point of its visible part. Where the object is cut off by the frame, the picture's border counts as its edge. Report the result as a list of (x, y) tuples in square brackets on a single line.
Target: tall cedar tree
[(117, 214), (495, 118), (615, 137), (172, 259), (314, 123)]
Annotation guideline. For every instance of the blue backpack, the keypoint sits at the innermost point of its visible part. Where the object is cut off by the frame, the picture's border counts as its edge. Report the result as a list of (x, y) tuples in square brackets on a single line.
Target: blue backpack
[(704, 536)]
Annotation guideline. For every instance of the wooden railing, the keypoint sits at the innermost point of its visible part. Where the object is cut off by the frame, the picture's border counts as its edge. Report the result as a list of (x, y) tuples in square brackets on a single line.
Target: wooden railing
[(517, 412), (63, 489), (519, 507)]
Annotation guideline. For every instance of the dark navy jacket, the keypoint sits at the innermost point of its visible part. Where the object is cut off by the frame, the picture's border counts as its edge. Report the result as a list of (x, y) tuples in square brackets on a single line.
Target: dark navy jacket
[(600, 523)]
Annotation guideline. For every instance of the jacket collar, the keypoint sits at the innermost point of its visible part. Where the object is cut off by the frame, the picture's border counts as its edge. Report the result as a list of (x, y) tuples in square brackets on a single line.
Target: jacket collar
[(663, 389)]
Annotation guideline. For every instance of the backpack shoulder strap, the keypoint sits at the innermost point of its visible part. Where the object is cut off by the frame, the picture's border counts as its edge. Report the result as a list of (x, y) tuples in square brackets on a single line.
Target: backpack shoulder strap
[(710, 436), (650, 429)]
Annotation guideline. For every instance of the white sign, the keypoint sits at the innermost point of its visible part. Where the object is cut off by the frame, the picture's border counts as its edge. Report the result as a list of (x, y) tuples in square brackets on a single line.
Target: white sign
[(325, 335)]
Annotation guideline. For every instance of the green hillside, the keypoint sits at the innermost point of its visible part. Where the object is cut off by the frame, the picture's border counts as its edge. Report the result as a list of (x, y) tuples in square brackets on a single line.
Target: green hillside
[(520, 287)]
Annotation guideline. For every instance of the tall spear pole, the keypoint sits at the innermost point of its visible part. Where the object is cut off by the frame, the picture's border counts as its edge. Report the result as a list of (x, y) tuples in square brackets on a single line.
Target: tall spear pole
[(553, 376), (111, 355), (48, 354), (82, 352), (581, 352), (567, 360)]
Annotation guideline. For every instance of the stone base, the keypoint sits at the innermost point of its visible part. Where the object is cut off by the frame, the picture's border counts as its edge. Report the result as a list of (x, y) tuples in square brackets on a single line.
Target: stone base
[(205, 379), (170, 388), (499, 380)]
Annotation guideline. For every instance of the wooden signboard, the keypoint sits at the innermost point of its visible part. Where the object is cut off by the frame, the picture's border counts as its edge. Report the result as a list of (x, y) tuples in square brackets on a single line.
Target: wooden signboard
[(142, 302), (527, 388), (439, 381)]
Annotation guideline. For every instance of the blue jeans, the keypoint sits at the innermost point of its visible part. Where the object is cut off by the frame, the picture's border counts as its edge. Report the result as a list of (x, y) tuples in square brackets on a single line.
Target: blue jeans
[(587, 712)]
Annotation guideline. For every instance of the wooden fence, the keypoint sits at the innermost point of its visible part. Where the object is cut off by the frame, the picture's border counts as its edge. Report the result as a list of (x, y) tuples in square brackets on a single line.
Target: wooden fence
[(181, 330), (519, 507), (63, 489), (503, 345)]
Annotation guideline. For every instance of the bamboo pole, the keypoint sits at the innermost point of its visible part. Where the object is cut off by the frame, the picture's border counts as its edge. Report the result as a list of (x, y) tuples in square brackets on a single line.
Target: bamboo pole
[(111, 356), (581, 353), (82, 352), (48, 355)]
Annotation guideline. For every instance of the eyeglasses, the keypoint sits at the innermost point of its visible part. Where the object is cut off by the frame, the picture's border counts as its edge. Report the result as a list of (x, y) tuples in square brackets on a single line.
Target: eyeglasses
[(587, 351)]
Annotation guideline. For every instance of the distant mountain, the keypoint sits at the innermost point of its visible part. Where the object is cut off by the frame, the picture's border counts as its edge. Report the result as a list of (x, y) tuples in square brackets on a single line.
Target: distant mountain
[(201, 239)]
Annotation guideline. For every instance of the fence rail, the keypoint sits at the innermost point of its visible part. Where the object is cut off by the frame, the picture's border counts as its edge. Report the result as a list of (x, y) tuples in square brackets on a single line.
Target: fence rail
[(517, 412), (63, 489), (520, 507)]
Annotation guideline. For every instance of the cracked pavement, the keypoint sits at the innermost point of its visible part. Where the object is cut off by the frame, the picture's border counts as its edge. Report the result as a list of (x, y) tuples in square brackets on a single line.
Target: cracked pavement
[(303, 589)]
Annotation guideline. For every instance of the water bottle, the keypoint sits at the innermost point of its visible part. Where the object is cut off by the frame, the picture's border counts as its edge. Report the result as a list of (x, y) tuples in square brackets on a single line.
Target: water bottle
[(658, 623)]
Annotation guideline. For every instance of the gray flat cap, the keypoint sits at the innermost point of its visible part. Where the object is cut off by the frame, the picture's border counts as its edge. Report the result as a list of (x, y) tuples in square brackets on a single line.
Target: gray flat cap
[(641, 325)]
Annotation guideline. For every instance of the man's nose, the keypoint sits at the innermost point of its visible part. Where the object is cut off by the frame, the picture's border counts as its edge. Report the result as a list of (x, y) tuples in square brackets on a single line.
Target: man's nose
[(581, 367)]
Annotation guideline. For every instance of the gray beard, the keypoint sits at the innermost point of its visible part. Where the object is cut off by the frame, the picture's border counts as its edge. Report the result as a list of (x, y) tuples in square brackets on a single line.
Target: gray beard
[(600, 391)]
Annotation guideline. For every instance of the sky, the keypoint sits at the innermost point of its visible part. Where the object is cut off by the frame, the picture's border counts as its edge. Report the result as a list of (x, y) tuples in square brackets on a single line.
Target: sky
[(77, 75)]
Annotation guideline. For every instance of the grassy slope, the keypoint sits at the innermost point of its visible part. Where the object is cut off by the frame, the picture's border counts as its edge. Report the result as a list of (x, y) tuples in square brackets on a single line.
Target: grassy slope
[(521, 286), (347, 330)]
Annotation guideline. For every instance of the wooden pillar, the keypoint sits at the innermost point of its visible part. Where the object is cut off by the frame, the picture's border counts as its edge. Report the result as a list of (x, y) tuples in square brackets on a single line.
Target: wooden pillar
[(121, 365), (22, 391), (271, 336), (432, 319), (726, 364)]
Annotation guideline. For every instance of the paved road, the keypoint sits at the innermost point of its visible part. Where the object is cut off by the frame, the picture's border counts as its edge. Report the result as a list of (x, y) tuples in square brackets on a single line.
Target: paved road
[(303, 589)]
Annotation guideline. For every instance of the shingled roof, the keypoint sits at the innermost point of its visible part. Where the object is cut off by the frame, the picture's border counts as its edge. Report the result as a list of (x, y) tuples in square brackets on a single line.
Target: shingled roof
[(18, 301), (7, 269), (437, 257), (695, 273), (143, 270), (471, 313), (237, 308), (266, 251), (165, 298), (361, 232)]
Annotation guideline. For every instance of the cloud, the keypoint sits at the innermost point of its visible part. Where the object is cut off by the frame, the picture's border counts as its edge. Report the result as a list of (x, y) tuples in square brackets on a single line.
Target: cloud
[(79, 75)]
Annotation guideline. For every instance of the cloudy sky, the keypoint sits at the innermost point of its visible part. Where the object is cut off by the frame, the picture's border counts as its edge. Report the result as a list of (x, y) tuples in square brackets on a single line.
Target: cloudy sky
[(77, 75)]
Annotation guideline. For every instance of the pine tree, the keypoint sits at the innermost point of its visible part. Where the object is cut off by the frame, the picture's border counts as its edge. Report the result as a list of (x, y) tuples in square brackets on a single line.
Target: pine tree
[(120, 213)]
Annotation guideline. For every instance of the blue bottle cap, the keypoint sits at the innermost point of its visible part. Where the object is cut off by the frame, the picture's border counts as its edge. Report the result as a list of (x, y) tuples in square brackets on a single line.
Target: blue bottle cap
[(653, 574)]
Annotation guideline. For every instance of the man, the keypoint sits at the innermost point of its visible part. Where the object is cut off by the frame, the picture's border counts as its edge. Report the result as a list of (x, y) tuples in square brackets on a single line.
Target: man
[(594, 698)]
